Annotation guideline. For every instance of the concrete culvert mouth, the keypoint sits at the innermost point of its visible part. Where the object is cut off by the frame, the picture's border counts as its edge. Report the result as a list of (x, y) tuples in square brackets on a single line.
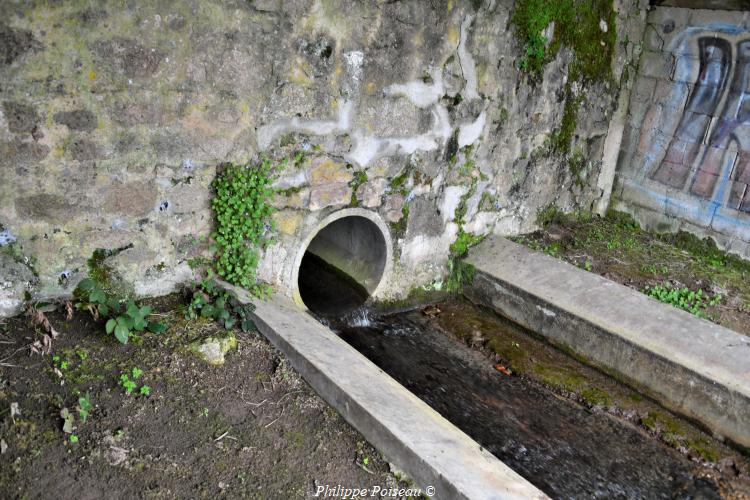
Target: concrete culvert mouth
[(344, 263)]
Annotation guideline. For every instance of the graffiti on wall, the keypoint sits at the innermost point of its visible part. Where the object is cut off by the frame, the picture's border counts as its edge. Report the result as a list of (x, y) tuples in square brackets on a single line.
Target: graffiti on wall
[(709, 154)]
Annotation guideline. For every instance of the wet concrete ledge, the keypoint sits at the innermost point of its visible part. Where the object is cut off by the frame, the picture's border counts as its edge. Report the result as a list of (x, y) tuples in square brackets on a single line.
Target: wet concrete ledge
[(692, 366), (406, 430)]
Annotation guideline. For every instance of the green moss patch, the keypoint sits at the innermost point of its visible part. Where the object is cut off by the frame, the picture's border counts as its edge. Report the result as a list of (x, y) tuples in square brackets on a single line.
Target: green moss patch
[(587, 28), (577, 26)]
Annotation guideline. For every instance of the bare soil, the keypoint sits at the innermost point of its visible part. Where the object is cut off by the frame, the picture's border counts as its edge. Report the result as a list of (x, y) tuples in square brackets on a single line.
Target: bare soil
[(251, 428)]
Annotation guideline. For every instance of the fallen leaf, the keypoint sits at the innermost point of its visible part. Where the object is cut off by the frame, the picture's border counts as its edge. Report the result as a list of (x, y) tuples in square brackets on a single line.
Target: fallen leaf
[(67, 420), (14, 412), (431, 311), (68, 310), (502, 369)]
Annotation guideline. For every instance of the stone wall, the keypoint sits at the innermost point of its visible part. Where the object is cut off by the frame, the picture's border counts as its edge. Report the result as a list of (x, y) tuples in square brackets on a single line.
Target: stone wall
[(685, 161), (115, 114)]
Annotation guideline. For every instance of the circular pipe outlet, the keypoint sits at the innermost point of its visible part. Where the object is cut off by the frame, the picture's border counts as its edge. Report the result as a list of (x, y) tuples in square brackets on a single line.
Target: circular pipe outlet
[(354, 241)]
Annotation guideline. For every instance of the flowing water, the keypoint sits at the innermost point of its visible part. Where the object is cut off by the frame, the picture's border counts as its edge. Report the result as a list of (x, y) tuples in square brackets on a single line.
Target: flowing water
[(563, 448)]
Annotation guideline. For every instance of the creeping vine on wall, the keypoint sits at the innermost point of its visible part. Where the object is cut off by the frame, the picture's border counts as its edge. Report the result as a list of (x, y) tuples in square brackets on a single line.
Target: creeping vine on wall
[(242, 210)]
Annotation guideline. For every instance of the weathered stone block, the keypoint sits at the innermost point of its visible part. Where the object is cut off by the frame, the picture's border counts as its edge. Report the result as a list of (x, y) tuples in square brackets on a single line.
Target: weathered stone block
[(15, 279), (134, 199), (14, 43), (371, 193), (19, 154), (657, 64), (325, 171), (329, 195), (652, 39), (298, 199), (82, 149), (128, 57), (669, 18), (393, 208), (49, 207), (287, 221), (643, 91), (78, 119), (189, 198), (22, 118)]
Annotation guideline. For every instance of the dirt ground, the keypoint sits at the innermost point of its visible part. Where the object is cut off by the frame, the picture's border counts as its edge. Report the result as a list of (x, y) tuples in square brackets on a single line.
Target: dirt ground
[(618, 249), (251, 428)]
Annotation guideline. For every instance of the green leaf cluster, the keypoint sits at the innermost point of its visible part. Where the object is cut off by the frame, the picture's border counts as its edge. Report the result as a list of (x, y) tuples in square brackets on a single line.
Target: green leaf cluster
[(84, 406), (124, 316), (242, 210), (212, 301), (128, 382), (684, 298)]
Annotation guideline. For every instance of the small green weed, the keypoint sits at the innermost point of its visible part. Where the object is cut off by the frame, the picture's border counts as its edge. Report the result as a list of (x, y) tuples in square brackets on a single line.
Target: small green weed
[(61, 364), (84, 406), (124, 317), (683, 298), (210, 300), (128, 382)]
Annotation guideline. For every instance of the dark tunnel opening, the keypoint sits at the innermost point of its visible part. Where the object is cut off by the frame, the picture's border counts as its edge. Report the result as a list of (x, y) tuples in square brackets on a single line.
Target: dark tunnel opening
[(342, 266)]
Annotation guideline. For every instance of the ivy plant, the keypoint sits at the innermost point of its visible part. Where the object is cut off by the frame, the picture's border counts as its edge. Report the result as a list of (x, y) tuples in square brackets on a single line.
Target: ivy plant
[(242, 210)]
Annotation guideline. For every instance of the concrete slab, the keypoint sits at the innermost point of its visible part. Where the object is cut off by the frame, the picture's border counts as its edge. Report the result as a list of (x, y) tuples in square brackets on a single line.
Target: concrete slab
[(690, 365), (406, 430)]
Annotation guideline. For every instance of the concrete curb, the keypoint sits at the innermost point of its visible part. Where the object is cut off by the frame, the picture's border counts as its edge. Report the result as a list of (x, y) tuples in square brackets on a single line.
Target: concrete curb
[(406, 430), (690, 365)]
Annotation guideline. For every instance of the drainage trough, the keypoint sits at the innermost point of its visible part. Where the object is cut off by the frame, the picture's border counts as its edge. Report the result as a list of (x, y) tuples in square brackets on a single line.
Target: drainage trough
[(409, 433), (691, 366)]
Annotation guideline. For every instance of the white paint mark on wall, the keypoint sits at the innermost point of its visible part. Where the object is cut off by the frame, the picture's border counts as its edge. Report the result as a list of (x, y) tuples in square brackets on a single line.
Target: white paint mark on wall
[(354, 61), (451, 198), (419, 93), (469, 133), (442, 125), (368, 148), (267, 133), (468, 67), (423, 248), (295, 179), (482, 223)]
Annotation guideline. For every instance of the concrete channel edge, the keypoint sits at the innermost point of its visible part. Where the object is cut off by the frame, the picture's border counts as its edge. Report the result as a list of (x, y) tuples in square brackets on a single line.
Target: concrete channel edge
[(406, 430), (690, 365)]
